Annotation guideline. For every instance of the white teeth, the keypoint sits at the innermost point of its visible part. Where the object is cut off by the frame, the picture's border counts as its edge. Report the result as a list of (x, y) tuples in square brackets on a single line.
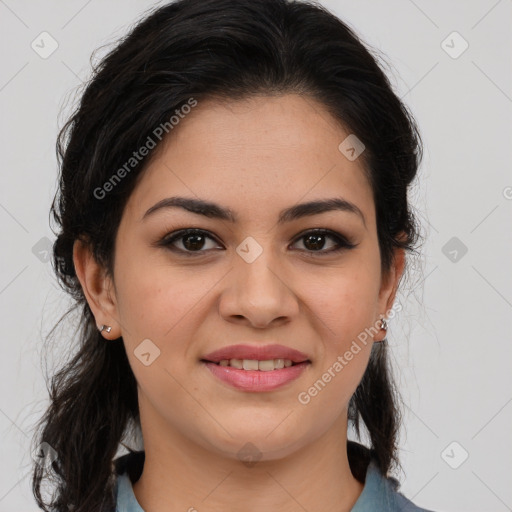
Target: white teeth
[(250, 364), (254, 364), (265, 366)]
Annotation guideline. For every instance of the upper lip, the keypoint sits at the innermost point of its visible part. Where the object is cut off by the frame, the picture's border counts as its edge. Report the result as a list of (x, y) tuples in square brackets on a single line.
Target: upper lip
[(260, 353)]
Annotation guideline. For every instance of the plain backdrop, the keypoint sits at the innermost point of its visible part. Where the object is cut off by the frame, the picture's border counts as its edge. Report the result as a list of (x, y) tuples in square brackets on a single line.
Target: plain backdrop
[(451, 63)]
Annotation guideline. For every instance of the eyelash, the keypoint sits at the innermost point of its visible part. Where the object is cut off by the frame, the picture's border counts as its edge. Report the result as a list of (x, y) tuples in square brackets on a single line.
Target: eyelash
[(342, 242)]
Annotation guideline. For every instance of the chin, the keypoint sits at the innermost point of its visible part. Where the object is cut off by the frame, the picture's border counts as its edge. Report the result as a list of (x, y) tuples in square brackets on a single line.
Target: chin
[(250, 447)]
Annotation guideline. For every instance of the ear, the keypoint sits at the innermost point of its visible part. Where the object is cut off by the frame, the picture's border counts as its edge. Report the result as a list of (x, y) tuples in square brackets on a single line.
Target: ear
[(389, 282), (98, 289)]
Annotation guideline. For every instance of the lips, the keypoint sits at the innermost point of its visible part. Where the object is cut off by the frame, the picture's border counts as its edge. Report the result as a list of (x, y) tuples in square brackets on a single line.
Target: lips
[(256, 381), (256, 368), (259, 353)]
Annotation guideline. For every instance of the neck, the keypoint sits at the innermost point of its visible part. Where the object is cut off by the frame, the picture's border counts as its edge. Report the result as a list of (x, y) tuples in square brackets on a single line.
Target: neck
[(180, 474)]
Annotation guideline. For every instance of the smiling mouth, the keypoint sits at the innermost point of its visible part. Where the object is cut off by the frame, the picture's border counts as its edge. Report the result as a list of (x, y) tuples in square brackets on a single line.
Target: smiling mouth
[(255, 364)]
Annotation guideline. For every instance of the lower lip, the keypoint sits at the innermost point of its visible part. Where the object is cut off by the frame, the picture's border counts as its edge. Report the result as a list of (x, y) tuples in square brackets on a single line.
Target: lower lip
[(256, 380)]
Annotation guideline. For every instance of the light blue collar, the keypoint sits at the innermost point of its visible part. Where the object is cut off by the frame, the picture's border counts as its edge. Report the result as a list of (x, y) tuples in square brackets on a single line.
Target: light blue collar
[(379, 493), (126, 501)]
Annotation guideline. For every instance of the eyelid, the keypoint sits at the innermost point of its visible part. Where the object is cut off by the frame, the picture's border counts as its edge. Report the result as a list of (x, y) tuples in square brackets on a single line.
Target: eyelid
[(342, 242), (167, 240), (328, 232)]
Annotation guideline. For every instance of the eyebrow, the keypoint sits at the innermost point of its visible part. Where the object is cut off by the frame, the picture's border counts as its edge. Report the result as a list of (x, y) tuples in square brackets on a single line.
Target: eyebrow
[(213, 210)]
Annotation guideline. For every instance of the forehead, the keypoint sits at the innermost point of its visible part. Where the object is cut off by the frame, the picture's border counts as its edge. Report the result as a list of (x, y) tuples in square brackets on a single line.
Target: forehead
[(254, 156)]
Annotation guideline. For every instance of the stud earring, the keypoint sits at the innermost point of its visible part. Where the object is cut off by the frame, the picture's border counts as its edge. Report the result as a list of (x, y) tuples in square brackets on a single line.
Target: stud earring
[(106, 328), (383, 325)]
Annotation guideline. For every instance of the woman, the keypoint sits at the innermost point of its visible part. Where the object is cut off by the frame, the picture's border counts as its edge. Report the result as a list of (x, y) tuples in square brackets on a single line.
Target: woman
[(233, 226)]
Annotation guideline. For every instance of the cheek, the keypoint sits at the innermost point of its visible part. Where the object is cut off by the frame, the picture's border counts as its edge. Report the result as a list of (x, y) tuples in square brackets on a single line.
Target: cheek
[(153, 294), (342, 314), (343, 300), (161, 304), (329, 393), (157, 300)]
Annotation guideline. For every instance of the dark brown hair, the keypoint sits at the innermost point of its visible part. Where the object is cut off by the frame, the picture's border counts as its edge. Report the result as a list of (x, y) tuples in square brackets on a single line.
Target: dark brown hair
[(224, 49)]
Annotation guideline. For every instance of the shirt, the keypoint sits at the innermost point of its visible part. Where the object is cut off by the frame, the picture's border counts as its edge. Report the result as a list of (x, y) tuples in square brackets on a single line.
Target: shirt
[(380, 494)]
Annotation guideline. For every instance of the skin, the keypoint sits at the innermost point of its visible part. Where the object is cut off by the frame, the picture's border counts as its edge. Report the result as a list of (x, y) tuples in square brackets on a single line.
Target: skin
[(256, 157)]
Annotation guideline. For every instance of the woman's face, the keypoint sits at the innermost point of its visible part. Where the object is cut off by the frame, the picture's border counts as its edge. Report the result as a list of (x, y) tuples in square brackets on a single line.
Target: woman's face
[(257, 279)]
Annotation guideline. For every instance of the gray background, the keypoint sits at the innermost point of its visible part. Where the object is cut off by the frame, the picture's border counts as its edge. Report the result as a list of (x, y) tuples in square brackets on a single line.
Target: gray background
[(452, 341)]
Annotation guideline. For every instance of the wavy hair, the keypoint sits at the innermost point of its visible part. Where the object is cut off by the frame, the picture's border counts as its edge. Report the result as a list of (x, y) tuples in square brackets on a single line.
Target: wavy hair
[(223, 49)]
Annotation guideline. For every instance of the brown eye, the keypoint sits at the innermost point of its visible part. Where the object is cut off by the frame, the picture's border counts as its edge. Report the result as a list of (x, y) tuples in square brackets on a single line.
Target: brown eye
[(314, 242), (189, 241), (193, 242), (317, 240)]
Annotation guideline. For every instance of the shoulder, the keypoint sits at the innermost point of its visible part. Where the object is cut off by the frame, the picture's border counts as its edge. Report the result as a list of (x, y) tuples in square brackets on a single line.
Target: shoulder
[(382, 493), (128, 469)]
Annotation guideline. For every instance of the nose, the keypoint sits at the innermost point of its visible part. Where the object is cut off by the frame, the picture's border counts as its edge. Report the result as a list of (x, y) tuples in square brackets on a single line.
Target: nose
[(259, 294)]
